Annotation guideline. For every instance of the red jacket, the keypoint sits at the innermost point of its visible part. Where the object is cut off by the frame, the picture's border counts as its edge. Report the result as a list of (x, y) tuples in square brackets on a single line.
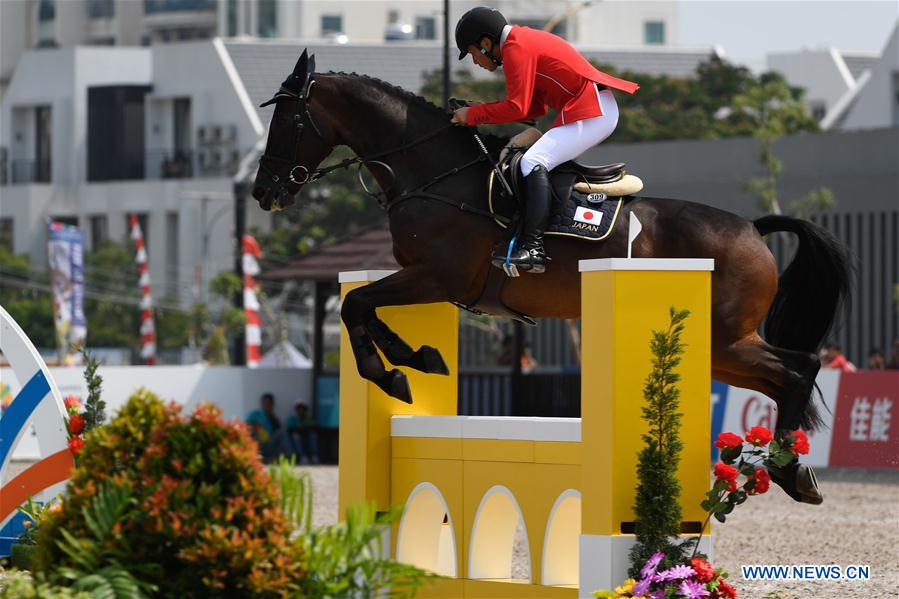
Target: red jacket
[(544, 70)]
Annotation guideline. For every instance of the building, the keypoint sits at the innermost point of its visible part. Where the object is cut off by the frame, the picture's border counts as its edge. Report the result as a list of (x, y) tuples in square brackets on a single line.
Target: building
[(160, 130), (30, 24), (846, 90)]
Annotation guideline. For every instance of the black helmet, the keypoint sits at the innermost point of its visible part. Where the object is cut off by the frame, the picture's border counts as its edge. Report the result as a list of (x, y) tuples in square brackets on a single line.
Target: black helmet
[(478, 22)]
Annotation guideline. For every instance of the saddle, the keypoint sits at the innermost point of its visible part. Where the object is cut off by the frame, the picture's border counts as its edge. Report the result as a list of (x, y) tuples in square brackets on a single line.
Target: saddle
[(587, 202), (587, 199)]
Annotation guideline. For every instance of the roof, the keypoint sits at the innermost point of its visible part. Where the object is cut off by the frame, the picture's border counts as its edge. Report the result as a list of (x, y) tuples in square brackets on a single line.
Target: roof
[(372, 249), (858, 62), (263, 65)]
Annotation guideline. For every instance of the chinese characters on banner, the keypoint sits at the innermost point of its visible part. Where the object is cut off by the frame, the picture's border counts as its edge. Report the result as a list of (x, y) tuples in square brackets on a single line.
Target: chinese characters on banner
[(865, 431), (65, 251)]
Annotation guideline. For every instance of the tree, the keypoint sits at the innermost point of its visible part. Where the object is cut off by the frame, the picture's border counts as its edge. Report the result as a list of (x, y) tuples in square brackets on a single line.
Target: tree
[(773, 109)]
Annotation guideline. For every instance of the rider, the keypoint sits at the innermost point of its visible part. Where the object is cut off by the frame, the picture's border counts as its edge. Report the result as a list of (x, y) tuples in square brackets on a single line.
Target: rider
[(541, 70)]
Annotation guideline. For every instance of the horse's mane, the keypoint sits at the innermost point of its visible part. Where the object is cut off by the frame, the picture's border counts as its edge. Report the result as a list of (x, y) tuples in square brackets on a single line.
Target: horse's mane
[(491, 140)]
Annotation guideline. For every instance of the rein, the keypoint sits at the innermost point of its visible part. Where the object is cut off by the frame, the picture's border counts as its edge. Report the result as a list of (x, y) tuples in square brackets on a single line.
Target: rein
[(386, 202)]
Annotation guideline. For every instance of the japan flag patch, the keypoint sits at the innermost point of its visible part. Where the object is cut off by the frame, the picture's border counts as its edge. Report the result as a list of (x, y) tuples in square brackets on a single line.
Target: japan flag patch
[(585, 215)]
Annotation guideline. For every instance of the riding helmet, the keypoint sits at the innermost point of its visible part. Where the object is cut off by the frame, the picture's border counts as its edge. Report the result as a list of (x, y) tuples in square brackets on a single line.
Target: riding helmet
[(478, 22)]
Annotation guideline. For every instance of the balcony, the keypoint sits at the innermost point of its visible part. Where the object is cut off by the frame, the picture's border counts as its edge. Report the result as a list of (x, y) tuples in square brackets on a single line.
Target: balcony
[(29, 171), (154, 7), (184, 164)]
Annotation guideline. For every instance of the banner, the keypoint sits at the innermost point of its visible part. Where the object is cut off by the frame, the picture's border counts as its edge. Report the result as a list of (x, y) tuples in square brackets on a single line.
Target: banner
[(865, 431), (65, 252)]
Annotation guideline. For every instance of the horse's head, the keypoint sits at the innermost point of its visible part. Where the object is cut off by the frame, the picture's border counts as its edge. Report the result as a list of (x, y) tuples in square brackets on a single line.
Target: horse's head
[(296, 141)]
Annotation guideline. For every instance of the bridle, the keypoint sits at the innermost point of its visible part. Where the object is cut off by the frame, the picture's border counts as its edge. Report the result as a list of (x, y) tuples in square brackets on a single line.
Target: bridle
[(386, 198)]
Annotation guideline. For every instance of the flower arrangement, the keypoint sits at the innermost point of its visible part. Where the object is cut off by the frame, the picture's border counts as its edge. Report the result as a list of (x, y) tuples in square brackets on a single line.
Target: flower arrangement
[(752, 463), (697, 580), (74, 424)]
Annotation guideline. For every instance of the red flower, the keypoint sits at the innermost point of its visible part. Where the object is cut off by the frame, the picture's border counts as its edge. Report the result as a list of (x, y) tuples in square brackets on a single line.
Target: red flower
[(725, 472), (728, 440), (800, 442), (76, 443), (759, 436), (704, 570), (762, 482), (76, 424), (72, 402), (726, 591)]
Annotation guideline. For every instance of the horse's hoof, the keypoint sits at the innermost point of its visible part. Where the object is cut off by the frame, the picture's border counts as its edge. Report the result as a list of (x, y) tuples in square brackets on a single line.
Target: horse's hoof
[(431, 360), (799, 482), (395, 384)]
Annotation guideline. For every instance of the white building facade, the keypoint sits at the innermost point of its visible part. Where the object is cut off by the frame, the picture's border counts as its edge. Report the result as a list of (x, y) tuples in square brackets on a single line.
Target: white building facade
[(91, 135)]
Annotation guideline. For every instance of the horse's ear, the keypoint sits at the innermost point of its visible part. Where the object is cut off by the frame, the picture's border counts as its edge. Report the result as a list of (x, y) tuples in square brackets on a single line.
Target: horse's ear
[(300, 69), (310, 68)]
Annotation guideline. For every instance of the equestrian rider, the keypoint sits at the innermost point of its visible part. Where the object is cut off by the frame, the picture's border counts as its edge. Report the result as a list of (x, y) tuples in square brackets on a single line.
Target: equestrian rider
[(542, 70)]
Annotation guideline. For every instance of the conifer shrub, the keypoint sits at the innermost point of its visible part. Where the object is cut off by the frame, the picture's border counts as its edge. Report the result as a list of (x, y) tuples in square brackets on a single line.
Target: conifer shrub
[(201, 517)]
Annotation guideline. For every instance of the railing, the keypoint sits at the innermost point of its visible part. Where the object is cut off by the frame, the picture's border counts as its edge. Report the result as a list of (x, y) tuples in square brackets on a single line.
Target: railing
[(495, 392), (161, 6), (30, 171), (169, 164)]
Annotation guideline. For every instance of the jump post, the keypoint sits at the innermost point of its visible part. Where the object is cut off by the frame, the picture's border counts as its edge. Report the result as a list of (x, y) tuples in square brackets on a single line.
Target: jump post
[(465, 482)]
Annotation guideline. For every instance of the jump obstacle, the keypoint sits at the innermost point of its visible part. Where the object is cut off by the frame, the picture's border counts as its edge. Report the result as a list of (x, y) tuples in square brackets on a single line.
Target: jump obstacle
[(466, 482), (39, 403)]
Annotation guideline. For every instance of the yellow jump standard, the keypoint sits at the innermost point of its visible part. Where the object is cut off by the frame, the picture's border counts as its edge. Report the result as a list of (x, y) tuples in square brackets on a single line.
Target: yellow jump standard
[(466, 482)]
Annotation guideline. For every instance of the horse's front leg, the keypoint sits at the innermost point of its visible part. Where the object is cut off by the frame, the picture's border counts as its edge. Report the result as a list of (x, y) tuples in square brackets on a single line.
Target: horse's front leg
[(411, 285)]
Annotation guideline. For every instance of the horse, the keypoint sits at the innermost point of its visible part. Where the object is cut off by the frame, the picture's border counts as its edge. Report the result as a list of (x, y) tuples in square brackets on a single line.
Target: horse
[(433, 180)]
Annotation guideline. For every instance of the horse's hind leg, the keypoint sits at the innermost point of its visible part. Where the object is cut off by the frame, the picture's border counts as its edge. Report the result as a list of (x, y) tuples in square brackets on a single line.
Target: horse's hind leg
[(787, 377), (408, 286)]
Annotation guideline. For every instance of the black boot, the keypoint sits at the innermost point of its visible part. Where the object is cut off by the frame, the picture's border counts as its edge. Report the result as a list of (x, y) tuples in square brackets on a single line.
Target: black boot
[(530, 255)]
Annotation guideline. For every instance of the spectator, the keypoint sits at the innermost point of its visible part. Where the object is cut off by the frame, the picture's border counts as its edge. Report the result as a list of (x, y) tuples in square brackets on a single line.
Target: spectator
[(894, 359), (832, 357), (505, 357), (876, 361), (303, 433), (266, 429)]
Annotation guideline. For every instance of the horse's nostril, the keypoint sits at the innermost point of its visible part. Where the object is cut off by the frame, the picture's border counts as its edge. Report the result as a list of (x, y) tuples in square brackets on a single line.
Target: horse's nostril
[(258, 193)]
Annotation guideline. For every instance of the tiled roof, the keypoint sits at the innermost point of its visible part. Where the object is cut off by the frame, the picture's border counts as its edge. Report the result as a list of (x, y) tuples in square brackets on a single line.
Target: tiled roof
[(371, 249), (262, 65)]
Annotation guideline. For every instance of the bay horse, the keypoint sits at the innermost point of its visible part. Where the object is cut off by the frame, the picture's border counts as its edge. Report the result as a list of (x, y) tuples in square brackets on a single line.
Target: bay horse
[(434, 184)]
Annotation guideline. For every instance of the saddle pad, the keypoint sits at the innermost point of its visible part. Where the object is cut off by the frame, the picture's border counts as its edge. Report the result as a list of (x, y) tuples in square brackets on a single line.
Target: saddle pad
[(587, 216)]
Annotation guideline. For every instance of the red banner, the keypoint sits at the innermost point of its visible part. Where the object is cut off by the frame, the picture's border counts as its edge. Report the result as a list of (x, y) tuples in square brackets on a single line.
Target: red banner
[(866, 430)]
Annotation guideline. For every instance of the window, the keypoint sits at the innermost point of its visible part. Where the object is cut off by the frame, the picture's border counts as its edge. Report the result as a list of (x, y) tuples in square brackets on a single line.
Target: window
[(115, 132), (99, 230), (332, 24), (43, 146), (7, 238), (171, 253), (268, 18), (101, 9), (46, 10), (818, 110), (425, 28), (654, 32)]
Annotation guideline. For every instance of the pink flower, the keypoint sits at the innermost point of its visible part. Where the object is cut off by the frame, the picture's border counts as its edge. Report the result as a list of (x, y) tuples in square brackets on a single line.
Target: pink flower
[(72, 402)]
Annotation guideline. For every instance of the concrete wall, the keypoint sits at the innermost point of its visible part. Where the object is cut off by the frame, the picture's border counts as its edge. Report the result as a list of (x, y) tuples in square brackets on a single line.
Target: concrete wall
[(860, 167), (235, 390)]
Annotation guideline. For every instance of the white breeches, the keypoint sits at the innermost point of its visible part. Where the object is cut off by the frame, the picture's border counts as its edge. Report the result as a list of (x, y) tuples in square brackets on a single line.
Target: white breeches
[(567, 142)]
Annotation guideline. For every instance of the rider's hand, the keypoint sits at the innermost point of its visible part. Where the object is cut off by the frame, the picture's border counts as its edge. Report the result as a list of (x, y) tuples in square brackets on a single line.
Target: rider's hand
[(460, 116)]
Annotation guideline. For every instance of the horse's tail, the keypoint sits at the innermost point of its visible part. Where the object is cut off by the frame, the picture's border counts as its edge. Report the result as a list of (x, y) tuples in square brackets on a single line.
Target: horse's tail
[(813, 291)]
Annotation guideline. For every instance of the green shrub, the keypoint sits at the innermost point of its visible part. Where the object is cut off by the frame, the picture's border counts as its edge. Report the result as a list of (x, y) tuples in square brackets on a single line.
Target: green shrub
[(16, 584), (200, 517)]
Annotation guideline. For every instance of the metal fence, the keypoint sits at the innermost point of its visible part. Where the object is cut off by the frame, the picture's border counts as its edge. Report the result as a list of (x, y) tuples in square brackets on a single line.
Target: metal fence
[(496, 392), (873, 237)]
